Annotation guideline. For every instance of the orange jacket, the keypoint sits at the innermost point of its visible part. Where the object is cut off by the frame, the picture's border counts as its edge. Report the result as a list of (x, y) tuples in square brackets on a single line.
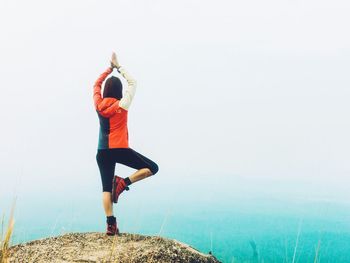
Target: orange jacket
[(113, 113)]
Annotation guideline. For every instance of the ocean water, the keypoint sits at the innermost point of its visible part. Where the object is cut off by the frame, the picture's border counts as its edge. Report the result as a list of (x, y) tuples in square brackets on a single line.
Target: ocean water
[(236, 225)]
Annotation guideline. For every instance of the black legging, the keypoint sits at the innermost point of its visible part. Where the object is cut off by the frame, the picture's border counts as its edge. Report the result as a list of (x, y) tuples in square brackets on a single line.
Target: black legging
[(107, 158)]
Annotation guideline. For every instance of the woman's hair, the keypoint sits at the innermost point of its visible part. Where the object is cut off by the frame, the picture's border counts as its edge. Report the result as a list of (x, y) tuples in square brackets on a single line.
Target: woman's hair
[(113, 88)]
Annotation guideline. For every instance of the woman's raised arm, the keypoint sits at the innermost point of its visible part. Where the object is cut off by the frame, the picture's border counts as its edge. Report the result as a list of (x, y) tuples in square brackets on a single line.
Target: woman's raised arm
[(129, 94), (98, 84)]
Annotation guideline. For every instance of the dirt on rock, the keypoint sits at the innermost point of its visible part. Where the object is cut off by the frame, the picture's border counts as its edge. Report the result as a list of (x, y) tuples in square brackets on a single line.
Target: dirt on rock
[(98, 247)]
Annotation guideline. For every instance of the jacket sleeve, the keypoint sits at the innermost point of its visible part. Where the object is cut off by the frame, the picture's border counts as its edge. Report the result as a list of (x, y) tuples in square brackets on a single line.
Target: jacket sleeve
[(129, 94), (97, 86)]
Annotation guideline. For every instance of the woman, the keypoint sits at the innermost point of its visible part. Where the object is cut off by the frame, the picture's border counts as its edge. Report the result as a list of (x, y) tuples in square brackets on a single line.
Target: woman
[(113, 146)]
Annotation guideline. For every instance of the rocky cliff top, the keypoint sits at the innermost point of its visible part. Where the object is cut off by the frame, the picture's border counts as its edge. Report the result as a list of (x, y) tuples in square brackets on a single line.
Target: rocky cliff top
[(98, 247)]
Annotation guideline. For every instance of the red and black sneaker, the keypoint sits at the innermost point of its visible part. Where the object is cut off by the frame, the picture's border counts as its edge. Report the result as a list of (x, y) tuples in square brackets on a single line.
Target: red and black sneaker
[(119, 186), (112, 229)]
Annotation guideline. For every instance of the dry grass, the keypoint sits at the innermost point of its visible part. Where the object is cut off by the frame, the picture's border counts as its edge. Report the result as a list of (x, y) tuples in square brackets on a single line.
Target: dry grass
[(317, 251), (296, 242), (112, 250), (6, 237)]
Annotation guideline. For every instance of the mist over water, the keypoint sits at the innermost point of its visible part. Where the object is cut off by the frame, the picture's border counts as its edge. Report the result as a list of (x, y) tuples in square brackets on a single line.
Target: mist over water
[(226, 220)]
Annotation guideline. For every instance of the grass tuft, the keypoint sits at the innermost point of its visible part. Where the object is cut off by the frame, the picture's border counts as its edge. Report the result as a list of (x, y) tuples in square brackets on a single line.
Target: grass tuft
[(5, 238)]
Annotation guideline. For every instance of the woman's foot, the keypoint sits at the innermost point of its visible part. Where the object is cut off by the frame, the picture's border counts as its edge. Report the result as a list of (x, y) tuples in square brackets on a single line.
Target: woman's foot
[(112, 228), (119, 186)]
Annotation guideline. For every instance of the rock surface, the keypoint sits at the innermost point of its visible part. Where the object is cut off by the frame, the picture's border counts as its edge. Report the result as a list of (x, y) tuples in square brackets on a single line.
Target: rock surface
[(98, 247)]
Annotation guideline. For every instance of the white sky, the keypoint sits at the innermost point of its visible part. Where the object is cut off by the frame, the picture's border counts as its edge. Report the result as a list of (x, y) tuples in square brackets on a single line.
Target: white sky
[(226, 89)]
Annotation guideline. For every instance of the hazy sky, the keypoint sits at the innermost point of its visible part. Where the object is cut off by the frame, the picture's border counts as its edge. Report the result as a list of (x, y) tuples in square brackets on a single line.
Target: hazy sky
[(226, 90)]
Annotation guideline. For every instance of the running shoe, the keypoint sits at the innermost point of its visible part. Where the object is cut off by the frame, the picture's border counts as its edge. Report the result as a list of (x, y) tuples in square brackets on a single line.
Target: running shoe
[(119, 186), (112, 229)]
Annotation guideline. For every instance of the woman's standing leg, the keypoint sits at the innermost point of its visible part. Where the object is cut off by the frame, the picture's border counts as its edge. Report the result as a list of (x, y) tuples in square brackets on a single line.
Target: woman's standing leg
[(107, 203), (107, 168)]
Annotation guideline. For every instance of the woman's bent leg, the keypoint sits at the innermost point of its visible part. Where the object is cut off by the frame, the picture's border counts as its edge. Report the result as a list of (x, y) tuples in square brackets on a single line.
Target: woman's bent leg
[(140, 175), (146, 167)]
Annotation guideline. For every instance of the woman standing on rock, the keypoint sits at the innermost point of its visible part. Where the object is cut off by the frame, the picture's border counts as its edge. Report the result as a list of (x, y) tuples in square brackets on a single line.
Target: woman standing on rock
[(113, 145)]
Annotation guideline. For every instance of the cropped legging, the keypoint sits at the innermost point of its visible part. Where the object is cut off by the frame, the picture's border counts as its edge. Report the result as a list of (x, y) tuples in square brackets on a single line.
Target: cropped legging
[(107, 159)]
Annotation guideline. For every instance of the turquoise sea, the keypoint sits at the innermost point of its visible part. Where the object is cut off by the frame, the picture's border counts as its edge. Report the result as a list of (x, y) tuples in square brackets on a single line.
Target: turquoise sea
[(237, 226)]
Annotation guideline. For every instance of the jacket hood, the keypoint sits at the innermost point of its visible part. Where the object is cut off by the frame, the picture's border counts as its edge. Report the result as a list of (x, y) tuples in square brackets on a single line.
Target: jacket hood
[(108, 107)]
